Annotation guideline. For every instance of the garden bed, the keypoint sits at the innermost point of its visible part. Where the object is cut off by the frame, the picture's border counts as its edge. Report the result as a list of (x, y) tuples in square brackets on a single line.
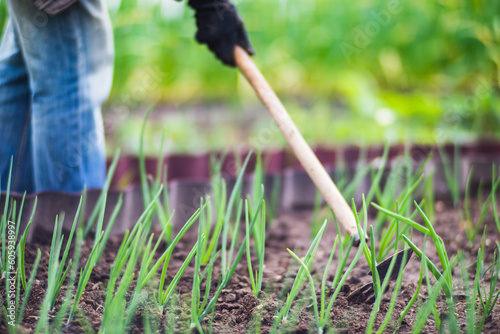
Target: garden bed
[(239, 311), (192, 274)]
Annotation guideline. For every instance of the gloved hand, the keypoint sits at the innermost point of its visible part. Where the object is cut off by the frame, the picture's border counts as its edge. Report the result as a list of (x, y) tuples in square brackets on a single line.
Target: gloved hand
[(221, 28)]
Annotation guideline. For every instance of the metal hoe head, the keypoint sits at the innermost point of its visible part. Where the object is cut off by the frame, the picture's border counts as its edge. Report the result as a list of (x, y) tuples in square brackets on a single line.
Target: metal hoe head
[(366, 292)]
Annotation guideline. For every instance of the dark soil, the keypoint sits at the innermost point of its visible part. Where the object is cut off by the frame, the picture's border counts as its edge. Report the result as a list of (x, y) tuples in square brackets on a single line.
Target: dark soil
[(239, 311)]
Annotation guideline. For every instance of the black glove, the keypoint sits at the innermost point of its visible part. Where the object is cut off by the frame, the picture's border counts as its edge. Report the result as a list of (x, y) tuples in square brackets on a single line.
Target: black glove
[(221, 28)]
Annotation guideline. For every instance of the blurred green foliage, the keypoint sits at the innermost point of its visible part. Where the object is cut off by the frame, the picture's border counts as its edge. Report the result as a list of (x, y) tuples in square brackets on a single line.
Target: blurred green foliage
[(432, 65), (316, 48), (429, 65)]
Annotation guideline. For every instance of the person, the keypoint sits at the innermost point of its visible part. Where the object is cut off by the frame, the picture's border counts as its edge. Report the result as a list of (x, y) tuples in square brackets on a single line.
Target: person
[(56, 72)]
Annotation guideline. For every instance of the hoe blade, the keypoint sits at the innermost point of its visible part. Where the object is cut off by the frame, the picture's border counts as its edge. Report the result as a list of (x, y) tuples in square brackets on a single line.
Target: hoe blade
[(365, 293), (383, 267)]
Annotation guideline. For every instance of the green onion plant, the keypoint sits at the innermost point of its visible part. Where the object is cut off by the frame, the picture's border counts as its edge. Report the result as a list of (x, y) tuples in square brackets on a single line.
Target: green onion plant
[(471, 229), (300, 279), (452, 172), (22, 247), (230, 261), (148, 190), (256, 280), (21, 306), (55, 250), (4, 222), (494, 208), (101, 201), (322, 311), (487, 297)]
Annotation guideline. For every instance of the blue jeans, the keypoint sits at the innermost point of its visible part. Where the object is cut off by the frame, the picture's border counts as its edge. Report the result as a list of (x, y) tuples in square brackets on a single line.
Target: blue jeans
[(55, 73)]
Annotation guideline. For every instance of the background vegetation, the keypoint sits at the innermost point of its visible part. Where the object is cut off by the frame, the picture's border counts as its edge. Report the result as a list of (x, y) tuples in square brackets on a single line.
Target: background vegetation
[(397, 69)]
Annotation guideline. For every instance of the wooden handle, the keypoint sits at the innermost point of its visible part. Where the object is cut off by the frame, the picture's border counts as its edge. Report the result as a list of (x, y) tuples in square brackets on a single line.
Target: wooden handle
[(300, 148)]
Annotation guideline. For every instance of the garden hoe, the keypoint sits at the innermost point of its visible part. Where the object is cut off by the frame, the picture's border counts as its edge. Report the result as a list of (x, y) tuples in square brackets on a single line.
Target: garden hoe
[(305, 155)]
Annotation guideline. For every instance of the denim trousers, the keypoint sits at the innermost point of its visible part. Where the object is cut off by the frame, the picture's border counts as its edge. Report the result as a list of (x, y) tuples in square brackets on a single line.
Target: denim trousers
[(55, 73)]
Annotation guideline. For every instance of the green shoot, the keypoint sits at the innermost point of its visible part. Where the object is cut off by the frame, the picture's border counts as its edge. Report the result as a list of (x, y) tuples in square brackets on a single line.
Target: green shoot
[(195, 297), (315, 220), (58, 322), (383, 287), (257, 280), (236, 230), (4, 222), (164, 294), (349, 188), (325, 273), (258, 179), (229, 210), (109, 227), (146, 194), (389, 314), (55, 268), (311, 282), (228, 274), (22, 244), (299, 279), (429, 305), (272, 209), (340, 280), (470, 297), (369, 251), (429, 195), (488, 299), (162, 212), (469, 229), (115, 302), (430, 265), (493, 199), (148, 190), (145, 275), (196, 308), (321, 313), (399, 217), (29, 287), (60, 275), (438, 242), (102, 197), (385, 238), (472, 231), (219, 192), (452, 172), (373, 267), (115, 309), (53, 278), (84, 278), (413, 299), (121, 257), (378, 176)]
